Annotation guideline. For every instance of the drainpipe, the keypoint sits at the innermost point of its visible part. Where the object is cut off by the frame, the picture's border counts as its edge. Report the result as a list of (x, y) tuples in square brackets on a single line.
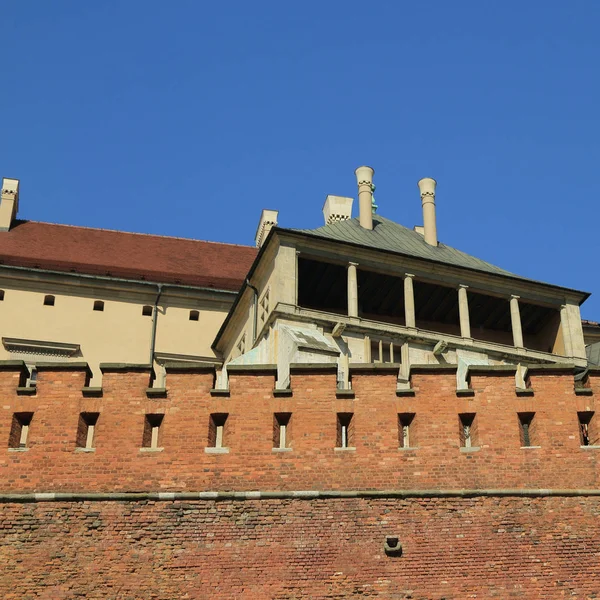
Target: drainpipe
[(154, 324), (255, 304)]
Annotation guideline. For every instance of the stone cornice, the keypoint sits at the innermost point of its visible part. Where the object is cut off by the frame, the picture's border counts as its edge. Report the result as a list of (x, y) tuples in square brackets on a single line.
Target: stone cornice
[(211, 496)]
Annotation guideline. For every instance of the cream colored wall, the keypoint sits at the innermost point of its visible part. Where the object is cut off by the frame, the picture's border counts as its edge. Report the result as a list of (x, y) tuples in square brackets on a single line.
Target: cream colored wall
[(176, 334), (277, 274), (241, 325), (119, 333)]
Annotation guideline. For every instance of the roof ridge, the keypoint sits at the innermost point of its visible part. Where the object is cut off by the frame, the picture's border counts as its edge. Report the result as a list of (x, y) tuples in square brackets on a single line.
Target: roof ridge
[(154, 235)]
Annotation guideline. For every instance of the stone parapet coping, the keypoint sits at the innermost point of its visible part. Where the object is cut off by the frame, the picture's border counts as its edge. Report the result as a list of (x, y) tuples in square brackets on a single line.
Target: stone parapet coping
[(62, 366), (432, 368), (291, 495), (188, 367), (251, 368), (492, 369), (106, 367), (9, 365), (551, 368), (298, 367), (367, 367)]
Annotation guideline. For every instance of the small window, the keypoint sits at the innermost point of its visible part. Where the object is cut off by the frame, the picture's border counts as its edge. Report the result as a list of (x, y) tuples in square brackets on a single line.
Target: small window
[(152, 430), (406, 430), (281, 430), (194, 315), (588, 435), (216, 430), (526, 429), (19, 431), (147, 310), (86, 430), (98, 305), (385, 352), (467, 430), (49, 300), (1, 295), (345, 430)]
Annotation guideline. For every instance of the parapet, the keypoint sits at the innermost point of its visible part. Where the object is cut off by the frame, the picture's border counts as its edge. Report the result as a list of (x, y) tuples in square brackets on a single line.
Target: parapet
[(310, 438)]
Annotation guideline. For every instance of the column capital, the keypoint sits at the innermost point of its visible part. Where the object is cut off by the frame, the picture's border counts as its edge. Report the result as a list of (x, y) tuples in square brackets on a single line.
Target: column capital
[(352, 264), (515, 297), (462, 286), (411, 275)]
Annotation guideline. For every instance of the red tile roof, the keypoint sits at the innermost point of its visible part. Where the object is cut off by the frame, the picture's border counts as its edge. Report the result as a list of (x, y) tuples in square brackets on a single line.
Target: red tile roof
[(126, 255)]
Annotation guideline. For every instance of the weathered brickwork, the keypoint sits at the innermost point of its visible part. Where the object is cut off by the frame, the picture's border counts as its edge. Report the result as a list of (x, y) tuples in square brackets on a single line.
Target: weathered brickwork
[(52, 463), (267, 549), (453, 548)]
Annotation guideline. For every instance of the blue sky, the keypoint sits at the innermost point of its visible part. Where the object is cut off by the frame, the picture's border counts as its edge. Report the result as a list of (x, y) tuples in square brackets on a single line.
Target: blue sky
[(187, 118)]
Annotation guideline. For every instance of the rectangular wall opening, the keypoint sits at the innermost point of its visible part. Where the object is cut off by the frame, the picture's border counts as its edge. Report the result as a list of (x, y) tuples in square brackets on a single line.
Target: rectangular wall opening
[(380, 297), (527, 429), (281, 430), (86, 429), (436, 307), (541, 328), (490, 318), (216, 430), (406, 430), (19, 430), (468, 430), (322, 286), (152, 431), (588, 431), (345, 430), (491, 322), (384, 351)]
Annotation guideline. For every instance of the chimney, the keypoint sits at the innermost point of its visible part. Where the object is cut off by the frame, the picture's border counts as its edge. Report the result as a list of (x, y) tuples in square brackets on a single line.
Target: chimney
[(427, 189), (268, 220), (9, 205), (364, 178), (337, 208)]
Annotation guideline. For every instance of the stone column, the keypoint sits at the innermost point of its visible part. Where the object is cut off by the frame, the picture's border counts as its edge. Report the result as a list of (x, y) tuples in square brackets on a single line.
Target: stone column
[(574, 329), (515, 317), (409, 301), (463, 311), (566, 332), (352, 290)]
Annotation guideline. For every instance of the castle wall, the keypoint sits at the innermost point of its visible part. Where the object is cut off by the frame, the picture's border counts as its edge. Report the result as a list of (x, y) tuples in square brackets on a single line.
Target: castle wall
[(52, 463), (496, 520), (292, 549)]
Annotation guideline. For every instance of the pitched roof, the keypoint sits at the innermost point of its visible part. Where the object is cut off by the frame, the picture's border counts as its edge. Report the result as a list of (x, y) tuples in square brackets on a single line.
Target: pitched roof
[(392, 237), (126, 255)]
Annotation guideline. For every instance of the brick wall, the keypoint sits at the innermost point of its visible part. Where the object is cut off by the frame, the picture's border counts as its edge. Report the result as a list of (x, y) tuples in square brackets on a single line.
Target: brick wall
[(267, 549), (52, 463), (454, 548)]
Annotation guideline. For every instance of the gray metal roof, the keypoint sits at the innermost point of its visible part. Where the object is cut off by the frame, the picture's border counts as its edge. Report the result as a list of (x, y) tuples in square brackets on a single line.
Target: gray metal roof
[(393, 237)]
